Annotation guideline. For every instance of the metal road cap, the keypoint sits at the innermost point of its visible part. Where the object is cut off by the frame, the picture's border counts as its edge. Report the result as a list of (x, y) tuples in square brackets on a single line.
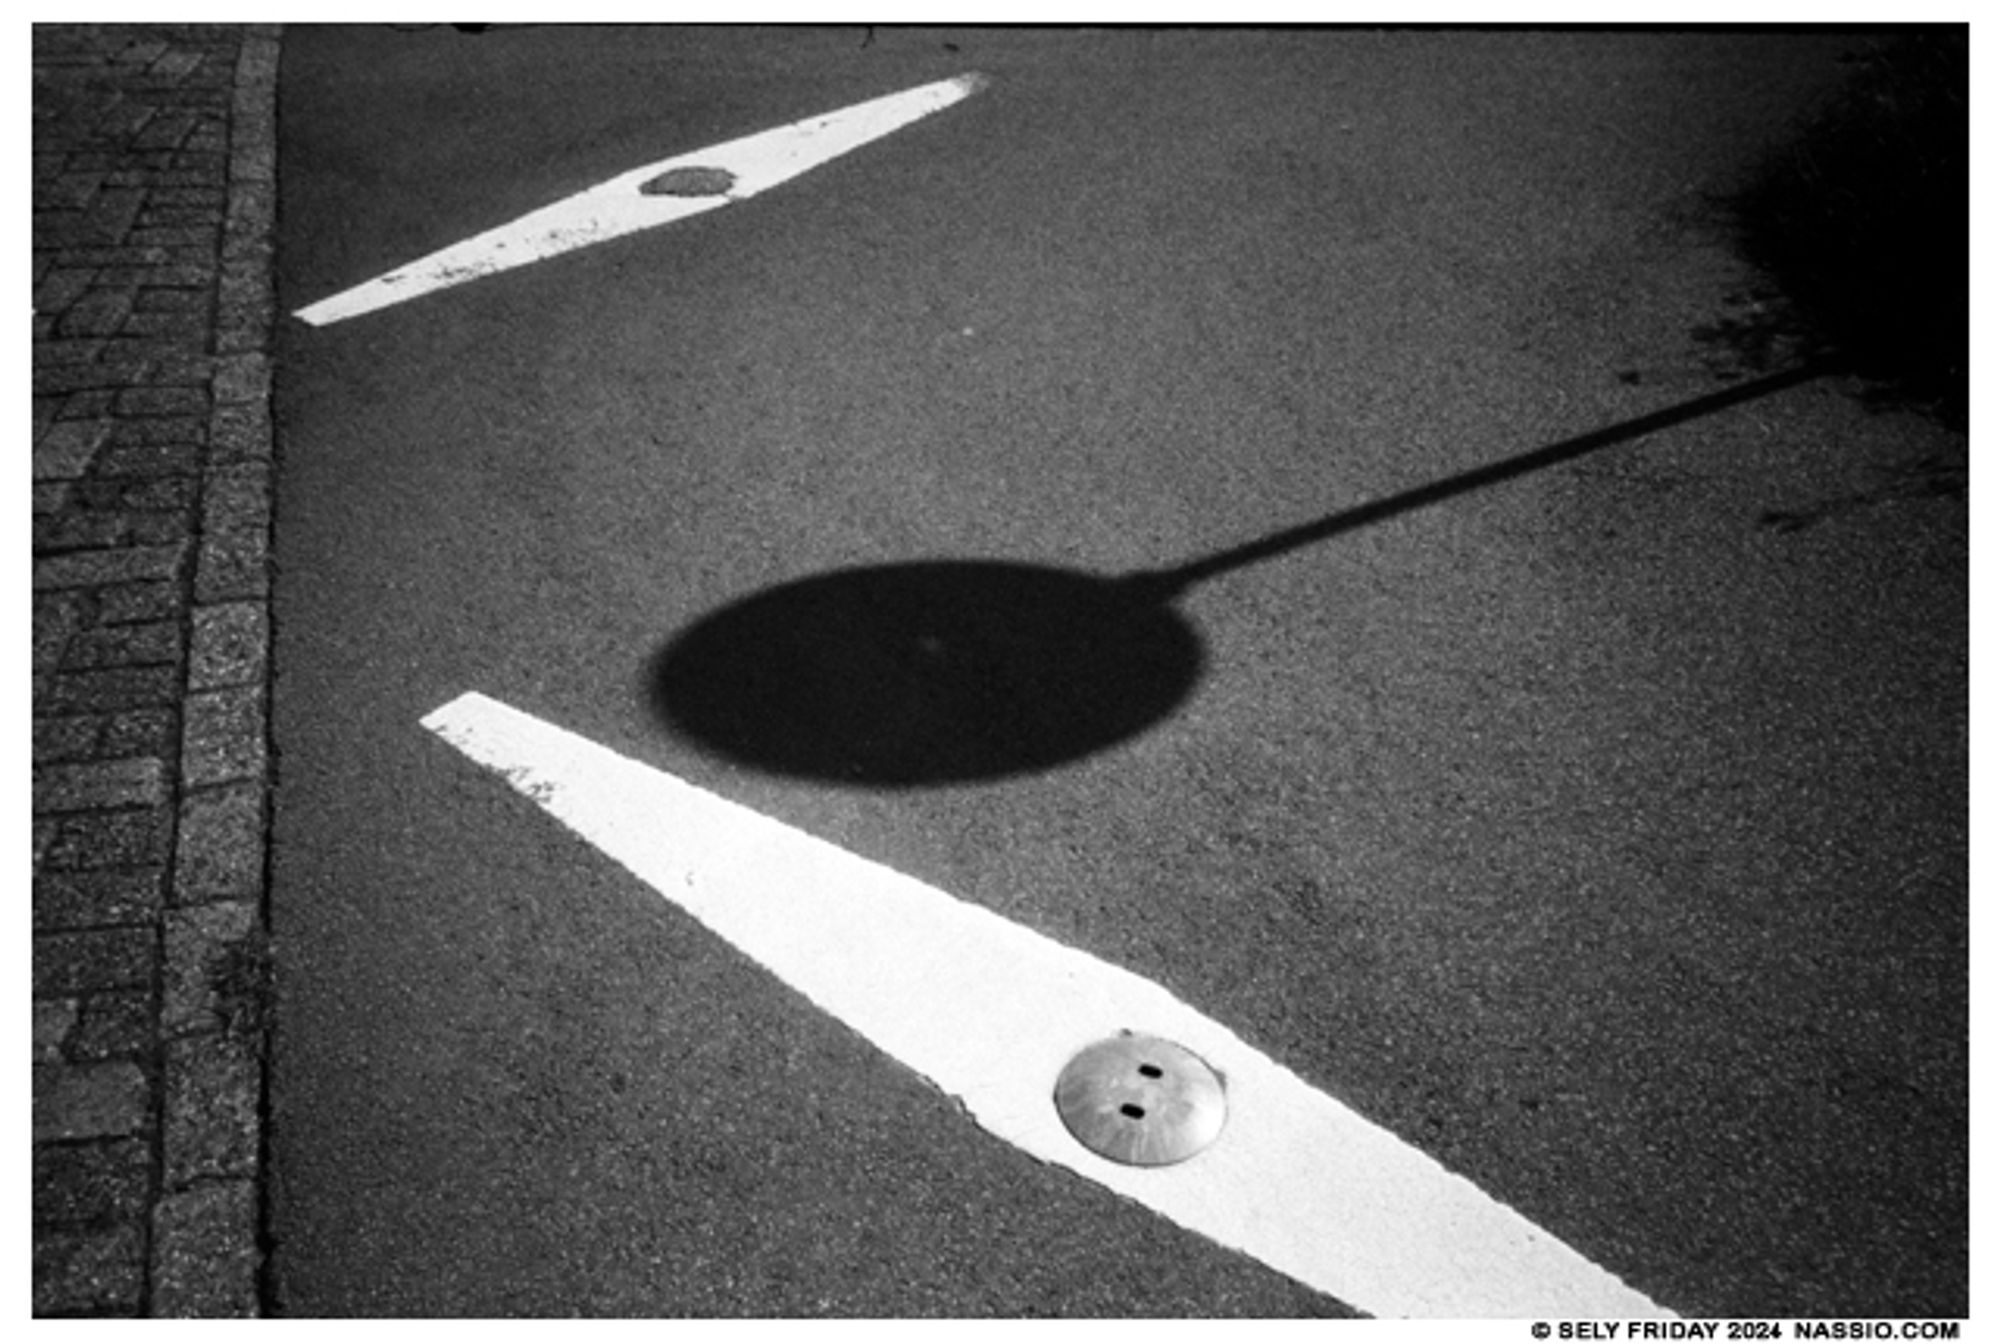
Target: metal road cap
[(1141, 1100), (689, 182)]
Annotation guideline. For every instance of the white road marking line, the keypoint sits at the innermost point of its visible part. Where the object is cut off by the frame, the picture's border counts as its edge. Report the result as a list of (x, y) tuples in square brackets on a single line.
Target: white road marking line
[(618, 207), (990, 1011)]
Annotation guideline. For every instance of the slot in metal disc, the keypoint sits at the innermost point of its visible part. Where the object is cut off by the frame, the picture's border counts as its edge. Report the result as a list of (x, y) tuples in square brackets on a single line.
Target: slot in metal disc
[(1141, 1100)]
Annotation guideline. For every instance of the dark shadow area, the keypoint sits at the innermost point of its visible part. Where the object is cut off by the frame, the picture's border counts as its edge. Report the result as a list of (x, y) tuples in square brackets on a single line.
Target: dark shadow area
[(1860, 225), (943, 672), (926, 673)]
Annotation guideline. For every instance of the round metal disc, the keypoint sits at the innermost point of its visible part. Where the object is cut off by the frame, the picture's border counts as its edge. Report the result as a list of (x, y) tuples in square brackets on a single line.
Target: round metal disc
[(1141, 1100), (689, 182)]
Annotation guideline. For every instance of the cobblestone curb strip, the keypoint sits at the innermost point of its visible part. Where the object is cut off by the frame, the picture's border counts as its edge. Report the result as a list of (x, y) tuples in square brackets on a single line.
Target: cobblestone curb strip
[(154, 196)]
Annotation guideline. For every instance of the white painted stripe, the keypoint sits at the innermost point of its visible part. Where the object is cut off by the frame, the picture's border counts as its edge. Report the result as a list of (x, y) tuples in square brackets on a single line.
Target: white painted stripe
[(617, 207), (990, 1011)]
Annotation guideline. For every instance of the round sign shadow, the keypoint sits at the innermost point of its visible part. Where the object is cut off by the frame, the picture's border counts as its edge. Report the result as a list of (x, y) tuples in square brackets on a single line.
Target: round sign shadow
[(926, 673)]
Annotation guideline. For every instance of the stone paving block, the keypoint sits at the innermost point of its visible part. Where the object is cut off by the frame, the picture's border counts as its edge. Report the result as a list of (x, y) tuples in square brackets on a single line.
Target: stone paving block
[(103, 959), (193, 277), (199, 263), (87, 528), (247, 247), (181, 369), (122, 255), (237, 498), (211, 198), (141, 51), (98, 494), (46, 411), (158, 495), (230, 641), (252, 196), (52, 351), (90, 1273), (153, 731), (158, 300), (91, 1101), (124, 564), (125, 360), (222, 736), (198, 943), (136, 602), (187, 329), (190, 327), (205, 1256), (177, 458), (233, 563), (87, 786), (70, 738), (106, 737), (74, 231), (61, 289), (70, 191), (175, 64), (210, 1122), (166, 130), (163, 176), (108, 839), (112, 1024), (254, 163), (55, 1019), (213, 165), (124, 456), (126, 645), (240, 432), (158, 216), (103, 690), (180, 235), (247, 252), (243, 377), (232, 566), (65, 450), (56, 618), (94, 404), (126, 278), (112, 210), (157, 527), (98, 313), (97, 898), (93, 1182), (56, 380), (128, 359), (245, 307), (79, 530), (162, 401), (221, 849)]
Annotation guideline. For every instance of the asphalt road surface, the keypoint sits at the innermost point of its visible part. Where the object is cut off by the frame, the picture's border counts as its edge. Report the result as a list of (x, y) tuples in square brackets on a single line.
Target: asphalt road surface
[(1598, 829)]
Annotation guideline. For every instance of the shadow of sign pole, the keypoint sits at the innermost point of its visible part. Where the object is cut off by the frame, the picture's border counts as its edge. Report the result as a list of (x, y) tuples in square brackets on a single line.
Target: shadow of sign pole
[(941, 672), (1172, 582)]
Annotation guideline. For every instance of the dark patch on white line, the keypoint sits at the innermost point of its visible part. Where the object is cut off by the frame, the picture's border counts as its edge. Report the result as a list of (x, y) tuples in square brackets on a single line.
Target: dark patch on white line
[(689, 182)]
